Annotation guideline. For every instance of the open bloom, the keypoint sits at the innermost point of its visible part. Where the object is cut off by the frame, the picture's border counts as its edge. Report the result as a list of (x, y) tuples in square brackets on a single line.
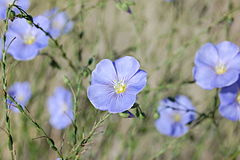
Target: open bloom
[(21, 92), (175, 114), (230, 102), (60, 108), (24, 4), (217, 66), (59, 22), (26, 39), (115, 85)]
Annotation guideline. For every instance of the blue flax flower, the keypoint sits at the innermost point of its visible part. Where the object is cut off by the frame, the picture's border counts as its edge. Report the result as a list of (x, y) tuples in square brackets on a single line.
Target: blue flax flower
[(175, 114), (115, 85), (230, 102), (24, 4), (21, 92), (217, 66), (59, 22), (27, 39), (60, 108)]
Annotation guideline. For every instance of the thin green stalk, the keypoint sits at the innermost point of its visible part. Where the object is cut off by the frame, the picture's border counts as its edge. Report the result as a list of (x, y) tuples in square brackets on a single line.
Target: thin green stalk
[(75, 151), (76, 96), (4, 86)]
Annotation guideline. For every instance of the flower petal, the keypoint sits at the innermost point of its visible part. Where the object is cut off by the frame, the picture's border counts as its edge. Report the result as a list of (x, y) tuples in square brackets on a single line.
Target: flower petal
[(184, 101), (204, 76), (3, 10), (100, 96), (24, 4), (207, 55), (20, 26), (137, 82), (126, 67), (178, 130), (22, 52), (61, 122), (122, 102), (230, 111), (104, 73), (227, 50), (42, 40), (226, 79), (168, 128), (188, 117), (234, 63), (228, 95), (42, 21)]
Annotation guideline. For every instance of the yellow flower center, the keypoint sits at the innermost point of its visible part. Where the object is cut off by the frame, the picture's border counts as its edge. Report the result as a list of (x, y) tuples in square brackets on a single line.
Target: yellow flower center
[(177, 117), (238, 97), (29, 39), (220, 69), (120, 87)]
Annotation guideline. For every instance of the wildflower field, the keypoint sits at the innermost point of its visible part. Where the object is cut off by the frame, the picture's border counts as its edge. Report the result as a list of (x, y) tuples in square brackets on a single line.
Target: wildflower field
[(120, 80)]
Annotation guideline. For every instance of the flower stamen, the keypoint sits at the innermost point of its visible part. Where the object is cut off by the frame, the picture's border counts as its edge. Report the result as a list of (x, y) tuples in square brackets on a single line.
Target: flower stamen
[(220, 69), (29, 39), (177, 117), (120, 87)]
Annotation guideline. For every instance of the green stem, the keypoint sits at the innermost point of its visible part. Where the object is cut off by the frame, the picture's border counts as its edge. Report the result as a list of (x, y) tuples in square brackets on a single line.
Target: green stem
[(4, 85), (75, 151)]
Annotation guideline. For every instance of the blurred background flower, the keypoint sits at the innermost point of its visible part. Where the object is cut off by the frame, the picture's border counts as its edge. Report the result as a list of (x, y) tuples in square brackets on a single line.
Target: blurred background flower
[(175, 114), (21, 92), (60, 108), (59, 22)]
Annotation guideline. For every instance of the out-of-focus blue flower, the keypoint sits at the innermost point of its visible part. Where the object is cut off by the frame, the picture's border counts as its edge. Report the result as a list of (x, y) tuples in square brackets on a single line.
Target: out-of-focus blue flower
[(175, 114), (28, 40), (59, 22), (24, 4), (60, 108), (21, 92), (115, 85), (169, 0), (217, 66), (230, 102)]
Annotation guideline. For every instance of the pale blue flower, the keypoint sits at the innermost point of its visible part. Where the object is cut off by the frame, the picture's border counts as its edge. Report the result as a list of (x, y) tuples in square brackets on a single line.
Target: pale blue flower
[(21, 92), (60, 22), (60, 108), (217, 66), (175, 114), (27, 40), (115, 85)]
